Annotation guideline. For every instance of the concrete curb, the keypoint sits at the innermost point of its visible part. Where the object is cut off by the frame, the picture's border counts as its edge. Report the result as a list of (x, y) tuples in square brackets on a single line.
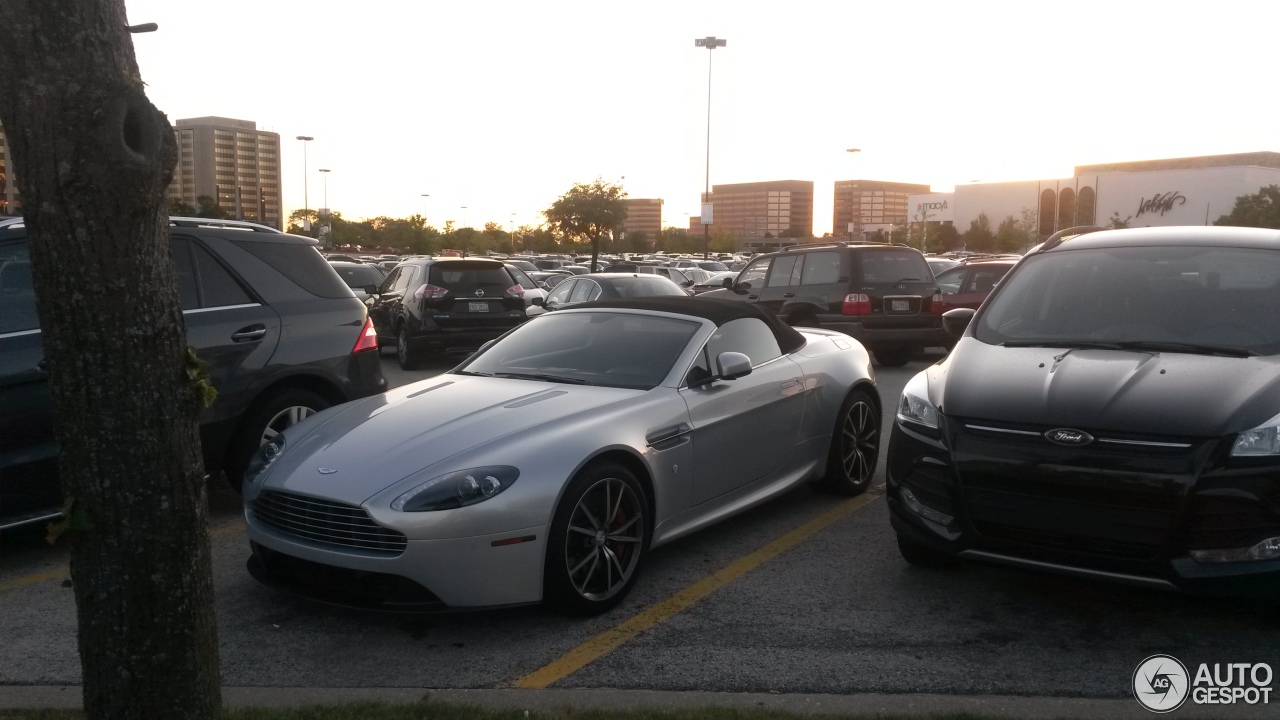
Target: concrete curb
[(13, 697)]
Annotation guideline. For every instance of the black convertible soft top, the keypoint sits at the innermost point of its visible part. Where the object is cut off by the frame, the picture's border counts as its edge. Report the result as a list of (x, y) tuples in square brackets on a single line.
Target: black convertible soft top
[(717, 311)]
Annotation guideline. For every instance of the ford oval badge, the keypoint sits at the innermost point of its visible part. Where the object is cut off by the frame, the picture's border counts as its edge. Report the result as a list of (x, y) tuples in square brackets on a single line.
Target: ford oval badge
[(326, 471), (1067, 436)]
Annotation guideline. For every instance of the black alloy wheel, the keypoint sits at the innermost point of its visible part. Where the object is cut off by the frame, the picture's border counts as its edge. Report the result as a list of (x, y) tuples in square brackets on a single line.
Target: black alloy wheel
[(598, 539), (855, 446), (409, 358)]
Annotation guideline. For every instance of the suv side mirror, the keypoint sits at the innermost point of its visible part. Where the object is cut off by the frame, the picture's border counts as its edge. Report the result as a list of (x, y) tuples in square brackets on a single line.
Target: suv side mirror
[(727, 282), (954, 322), (732, 365), (370, 290), (540, 302)]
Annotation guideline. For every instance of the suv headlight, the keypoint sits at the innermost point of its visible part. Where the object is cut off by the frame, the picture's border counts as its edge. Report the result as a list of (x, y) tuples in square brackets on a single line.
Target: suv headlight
[(1259, 442), (914, 405), (262, 458), (457, 489)]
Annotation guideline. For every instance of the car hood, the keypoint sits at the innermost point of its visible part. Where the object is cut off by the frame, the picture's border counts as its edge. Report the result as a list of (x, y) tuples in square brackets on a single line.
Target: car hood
[(1122, 391), (372, 443)]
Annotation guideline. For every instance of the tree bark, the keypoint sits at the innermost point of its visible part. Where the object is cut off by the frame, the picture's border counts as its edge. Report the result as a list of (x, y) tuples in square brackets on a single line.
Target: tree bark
[(92, 158)]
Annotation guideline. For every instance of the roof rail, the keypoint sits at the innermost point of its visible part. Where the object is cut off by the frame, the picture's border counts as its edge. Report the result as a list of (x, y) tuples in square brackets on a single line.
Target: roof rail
[(826, 243), (214, 222), (1066, 234)]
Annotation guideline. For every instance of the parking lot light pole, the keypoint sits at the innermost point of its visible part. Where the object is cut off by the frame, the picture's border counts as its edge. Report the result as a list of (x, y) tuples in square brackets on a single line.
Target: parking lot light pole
[(710, 42), (306, 203)]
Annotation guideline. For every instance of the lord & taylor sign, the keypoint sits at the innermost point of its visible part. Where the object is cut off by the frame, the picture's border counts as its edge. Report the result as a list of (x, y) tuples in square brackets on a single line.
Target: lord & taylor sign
[(1161, 203)]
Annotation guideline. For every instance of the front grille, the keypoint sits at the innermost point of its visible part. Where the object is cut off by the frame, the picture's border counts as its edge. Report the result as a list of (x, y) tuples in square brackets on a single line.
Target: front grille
[(340, 586), (325, 522)]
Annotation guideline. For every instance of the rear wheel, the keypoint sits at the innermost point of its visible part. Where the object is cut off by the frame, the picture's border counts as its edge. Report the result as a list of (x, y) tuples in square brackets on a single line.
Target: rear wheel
[(855, 446), (408, 357), (598, 538), (921, 555), (892, 358), (264, 422)]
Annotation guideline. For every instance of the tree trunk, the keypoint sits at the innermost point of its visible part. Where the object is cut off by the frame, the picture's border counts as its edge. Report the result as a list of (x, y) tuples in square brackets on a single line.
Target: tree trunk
[(92, 159)]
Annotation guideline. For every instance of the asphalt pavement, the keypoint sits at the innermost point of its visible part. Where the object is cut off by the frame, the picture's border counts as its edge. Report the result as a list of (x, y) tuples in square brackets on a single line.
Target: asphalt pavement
[(836, 612)]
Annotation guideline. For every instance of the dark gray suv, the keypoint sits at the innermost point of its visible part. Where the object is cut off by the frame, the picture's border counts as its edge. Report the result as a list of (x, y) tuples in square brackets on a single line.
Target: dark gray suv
[(282, 333)]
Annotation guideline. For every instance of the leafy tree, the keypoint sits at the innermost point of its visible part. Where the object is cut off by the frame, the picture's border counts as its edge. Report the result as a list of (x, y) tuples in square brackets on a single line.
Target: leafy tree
[(979, 236), (207, 207), (723, 240), (1260, 210), (1010, 236), (177, 208), (1115, 223), (948, 238), (635, 241), (93, 158), (795, 232), (588, 212), (1029, 227)]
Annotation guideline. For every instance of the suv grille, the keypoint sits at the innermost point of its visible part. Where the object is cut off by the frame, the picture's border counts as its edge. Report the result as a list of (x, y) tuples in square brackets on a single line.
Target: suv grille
[(325, 522)]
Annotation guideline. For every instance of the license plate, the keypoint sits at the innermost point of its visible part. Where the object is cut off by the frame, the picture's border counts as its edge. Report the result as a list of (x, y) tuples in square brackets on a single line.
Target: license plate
[(478, 307), (900, 305)]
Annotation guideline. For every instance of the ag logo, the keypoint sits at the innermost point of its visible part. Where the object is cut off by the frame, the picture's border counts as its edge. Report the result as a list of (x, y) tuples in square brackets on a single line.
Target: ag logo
[(1161, 683)]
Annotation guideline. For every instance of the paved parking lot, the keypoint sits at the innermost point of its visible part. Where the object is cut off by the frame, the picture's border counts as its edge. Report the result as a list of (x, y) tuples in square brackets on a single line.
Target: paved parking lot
[(837, 612)]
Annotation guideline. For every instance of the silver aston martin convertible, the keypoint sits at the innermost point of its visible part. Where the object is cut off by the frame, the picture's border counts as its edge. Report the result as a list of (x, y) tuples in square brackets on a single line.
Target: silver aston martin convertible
[(547, 464)]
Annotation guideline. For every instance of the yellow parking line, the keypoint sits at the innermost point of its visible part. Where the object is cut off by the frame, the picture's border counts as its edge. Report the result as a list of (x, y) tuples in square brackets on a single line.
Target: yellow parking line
[(63, 571), (609, 640)]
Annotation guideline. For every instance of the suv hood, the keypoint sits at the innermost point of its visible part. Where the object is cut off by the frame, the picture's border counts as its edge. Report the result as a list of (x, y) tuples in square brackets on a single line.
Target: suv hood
[(1122, 391), (373, 443)]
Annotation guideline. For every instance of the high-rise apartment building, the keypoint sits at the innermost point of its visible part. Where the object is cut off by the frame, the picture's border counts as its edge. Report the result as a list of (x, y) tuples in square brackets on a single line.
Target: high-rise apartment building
[(752, 211), (870, 203), (9, 204), (233, 162), (643, 215)]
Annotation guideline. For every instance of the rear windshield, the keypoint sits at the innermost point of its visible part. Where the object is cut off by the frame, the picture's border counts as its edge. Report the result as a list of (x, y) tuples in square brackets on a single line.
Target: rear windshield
[(890, 267), (301, 264), (646, 287), (467, 277), (1207, 296), (359, 276)]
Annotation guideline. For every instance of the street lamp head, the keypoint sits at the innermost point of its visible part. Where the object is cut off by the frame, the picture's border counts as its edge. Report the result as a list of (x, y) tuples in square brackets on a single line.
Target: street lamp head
[(854, 150), (305, 137), (324, 169), (143, 28), (711, 42), (426, 194)]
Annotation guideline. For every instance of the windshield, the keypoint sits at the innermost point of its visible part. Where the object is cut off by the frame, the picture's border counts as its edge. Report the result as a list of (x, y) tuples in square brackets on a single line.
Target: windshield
[(622, 350), (358, 276), (890, 267), (1204, 299)]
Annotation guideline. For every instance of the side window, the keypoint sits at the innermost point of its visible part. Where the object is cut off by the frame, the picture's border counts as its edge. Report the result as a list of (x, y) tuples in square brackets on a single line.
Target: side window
[(180, 248), (678, 277), (949, 281), (821, 268), (584, 291), (389, 281), (521, 278), (407, 275), (752, 277), (748, 336), (560, 295), (985, 279), (700, 371), (783, 267), (17, 290), (217, 287)]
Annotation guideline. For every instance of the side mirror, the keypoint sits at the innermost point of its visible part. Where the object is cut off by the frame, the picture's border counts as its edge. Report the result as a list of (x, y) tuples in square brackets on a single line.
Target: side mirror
[(543, 284), (955, 321), (371, 290), (732, 365), (727, 282), (540, 302), (686, 283)]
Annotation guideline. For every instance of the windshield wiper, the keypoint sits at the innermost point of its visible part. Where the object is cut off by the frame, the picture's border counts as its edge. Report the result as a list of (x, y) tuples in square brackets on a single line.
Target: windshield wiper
[(1138, 346), (542, 376), (475, 374)]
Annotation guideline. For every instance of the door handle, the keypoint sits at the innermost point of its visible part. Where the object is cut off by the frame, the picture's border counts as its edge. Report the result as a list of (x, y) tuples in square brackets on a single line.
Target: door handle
[(249, 334), (788, 294), (751, 297)]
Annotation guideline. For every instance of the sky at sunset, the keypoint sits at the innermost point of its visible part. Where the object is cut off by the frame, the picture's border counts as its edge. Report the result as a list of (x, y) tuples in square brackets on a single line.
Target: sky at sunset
[(502, 106)]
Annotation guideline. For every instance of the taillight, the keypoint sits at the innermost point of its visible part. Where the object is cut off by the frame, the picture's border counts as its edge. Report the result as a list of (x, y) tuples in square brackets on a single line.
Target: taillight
[(516, 290), (429, 292), (368, 338), (936, 306), (856, 304)]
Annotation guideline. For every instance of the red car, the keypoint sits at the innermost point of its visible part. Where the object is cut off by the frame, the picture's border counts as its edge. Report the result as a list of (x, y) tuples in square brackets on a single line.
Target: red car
[(967, 285)]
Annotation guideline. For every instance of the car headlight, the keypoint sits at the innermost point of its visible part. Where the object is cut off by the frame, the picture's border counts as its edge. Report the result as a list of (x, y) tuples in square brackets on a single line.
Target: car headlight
[(262, 458), (457, 489), (914, 405), (1259, 442)]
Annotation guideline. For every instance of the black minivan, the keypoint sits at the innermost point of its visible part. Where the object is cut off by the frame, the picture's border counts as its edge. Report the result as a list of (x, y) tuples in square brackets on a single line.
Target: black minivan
[(283, 335), (884, 296)]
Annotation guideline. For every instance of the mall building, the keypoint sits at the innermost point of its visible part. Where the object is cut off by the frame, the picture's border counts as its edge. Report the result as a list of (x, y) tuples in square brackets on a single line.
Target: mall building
[(1148, 193)]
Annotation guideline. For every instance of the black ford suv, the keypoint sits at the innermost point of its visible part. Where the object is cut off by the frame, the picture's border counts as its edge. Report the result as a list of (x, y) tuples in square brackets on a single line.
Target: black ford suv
[(444, 305), (283, 335), (883, 296)]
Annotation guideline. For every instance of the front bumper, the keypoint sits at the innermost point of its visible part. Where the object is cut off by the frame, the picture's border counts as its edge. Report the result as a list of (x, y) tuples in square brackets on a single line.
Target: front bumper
[(1105, 543), (429, 575)]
